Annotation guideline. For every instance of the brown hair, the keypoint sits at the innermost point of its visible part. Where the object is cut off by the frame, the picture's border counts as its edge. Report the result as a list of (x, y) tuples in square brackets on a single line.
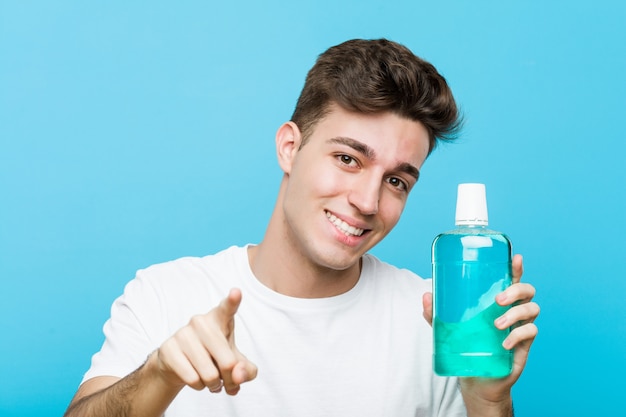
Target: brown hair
[(372, 76)]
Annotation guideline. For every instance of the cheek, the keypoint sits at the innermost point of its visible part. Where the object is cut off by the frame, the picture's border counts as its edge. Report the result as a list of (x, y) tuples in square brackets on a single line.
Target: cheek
[(321, 179), (390, 209), (326, 184), (314, 181)]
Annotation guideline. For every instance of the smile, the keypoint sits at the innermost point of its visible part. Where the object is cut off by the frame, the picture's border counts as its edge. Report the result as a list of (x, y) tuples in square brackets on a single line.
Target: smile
[(344, 227)]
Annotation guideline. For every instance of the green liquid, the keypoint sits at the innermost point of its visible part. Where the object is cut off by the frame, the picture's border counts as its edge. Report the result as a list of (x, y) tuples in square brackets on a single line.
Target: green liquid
[(472, 347)]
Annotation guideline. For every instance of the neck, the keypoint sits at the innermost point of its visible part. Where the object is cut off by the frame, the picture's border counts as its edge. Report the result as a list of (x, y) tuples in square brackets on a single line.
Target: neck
[(294, 279)]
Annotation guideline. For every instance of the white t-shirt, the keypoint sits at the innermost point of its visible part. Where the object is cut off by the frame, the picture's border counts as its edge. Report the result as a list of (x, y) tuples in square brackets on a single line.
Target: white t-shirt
[(367, 352)]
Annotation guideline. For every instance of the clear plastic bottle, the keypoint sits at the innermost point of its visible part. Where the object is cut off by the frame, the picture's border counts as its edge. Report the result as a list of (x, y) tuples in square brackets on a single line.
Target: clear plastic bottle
[(471, 265)]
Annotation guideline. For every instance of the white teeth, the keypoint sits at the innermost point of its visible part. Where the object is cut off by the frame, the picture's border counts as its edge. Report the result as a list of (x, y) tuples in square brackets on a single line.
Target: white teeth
[(343, 226)]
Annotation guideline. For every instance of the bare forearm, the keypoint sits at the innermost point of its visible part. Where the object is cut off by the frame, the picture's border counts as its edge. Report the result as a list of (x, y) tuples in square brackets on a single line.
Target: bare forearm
[(138, 394)]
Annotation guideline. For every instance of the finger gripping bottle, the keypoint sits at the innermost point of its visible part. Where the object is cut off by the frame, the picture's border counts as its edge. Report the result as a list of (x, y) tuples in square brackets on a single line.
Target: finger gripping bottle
[(471, 265)]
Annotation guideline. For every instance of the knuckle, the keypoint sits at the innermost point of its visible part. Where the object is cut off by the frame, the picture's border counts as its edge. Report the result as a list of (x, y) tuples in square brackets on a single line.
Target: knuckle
[(536, 309), (193, 380), (166, 349), (210, 376), (213, 383), (529, 310), (227, 365), (183, 336), (197, 322), (197, 385), (525, 332)]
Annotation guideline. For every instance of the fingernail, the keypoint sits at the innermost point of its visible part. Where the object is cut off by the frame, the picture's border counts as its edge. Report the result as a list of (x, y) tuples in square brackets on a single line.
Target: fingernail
[(507, 344), (501, 321), (501, 298), (217, 388)]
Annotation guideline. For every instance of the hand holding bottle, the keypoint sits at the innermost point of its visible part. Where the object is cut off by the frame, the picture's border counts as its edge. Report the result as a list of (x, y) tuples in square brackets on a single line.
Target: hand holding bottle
[(520, 318)]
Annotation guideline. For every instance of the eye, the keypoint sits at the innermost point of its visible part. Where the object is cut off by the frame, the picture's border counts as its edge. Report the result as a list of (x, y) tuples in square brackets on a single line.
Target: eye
[(398, 183), (347, 160)]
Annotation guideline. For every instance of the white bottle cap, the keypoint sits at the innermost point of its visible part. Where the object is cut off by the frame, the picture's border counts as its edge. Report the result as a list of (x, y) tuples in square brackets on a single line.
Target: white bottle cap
[(471, 205)]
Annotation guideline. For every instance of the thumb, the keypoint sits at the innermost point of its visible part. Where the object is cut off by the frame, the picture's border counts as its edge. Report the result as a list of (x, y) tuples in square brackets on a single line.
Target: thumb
[(517, 268), (244, 370), (427, 303)]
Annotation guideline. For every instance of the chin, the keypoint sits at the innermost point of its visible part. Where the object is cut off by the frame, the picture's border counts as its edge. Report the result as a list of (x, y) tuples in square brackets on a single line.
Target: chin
[(340, 263)]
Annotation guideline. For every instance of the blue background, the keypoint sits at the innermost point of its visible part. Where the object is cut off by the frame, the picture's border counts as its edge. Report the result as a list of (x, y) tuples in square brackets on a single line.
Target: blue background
[(137, 132)]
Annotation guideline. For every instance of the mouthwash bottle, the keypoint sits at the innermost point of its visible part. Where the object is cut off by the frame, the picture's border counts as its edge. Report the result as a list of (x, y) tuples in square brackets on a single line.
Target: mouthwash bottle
[(471, 265)]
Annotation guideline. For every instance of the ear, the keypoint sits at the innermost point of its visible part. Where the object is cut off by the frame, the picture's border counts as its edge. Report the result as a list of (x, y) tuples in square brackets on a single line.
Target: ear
[(288, 140)]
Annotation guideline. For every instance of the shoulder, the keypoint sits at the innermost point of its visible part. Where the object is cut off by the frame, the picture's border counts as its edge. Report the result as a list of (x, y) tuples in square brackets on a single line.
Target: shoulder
[(392, 277), (209, 278), (227, 258), (191, 269), (388, 282)]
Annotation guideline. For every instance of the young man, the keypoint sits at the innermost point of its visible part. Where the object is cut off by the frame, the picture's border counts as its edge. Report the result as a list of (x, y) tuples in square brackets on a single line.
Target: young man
[(332, 330)]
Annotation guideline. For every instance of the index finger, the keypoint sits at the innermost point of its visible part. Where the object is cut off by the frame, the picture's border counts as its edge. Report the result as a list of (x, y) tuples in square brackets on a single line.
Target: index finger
[(228, 306)]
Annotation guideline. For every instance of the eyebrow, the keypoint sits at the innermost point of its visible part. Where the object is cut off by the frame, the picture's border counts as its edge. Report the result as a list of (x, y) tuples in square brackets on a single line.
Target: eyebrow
[(369, 153)]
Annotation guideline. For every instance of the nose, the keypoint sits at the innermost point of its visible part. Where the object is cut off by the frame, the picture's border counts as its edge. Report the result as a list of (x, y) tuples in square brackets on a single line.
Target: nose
[(364, 194)]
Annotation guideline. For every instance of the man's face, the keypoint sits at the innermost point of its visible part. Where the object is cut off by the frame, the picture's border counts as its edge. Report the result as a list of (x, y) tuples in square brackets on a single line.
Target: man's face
[(347, 186)]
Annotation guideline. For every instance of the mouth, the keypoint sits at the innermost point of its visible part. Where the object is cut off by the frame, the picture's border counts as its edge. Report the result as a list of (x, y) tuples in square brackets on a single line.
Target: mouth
[(344, 227)]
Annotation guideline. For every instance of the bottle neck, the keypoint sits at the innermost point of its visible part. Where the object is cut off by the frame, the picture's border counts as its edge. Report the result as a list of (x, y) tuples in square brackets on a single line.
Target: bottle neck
[(471, 226)]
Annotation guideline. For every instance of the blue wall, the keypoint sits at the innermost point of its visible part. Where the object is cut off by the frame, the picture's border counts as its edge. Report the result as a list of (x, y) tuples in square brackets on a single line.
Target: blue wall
[(134, 133)]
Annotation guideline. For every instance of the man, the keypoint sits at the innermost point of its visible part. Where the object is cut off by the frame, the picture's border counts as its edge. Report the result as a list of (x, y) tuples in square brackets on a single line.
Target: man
[(332, 330)]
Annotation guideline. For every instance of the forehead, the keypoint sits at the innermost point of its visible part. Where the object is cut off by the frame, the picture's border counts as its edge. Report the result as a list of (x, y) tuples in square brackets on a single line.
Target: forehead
[(390, 135)]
